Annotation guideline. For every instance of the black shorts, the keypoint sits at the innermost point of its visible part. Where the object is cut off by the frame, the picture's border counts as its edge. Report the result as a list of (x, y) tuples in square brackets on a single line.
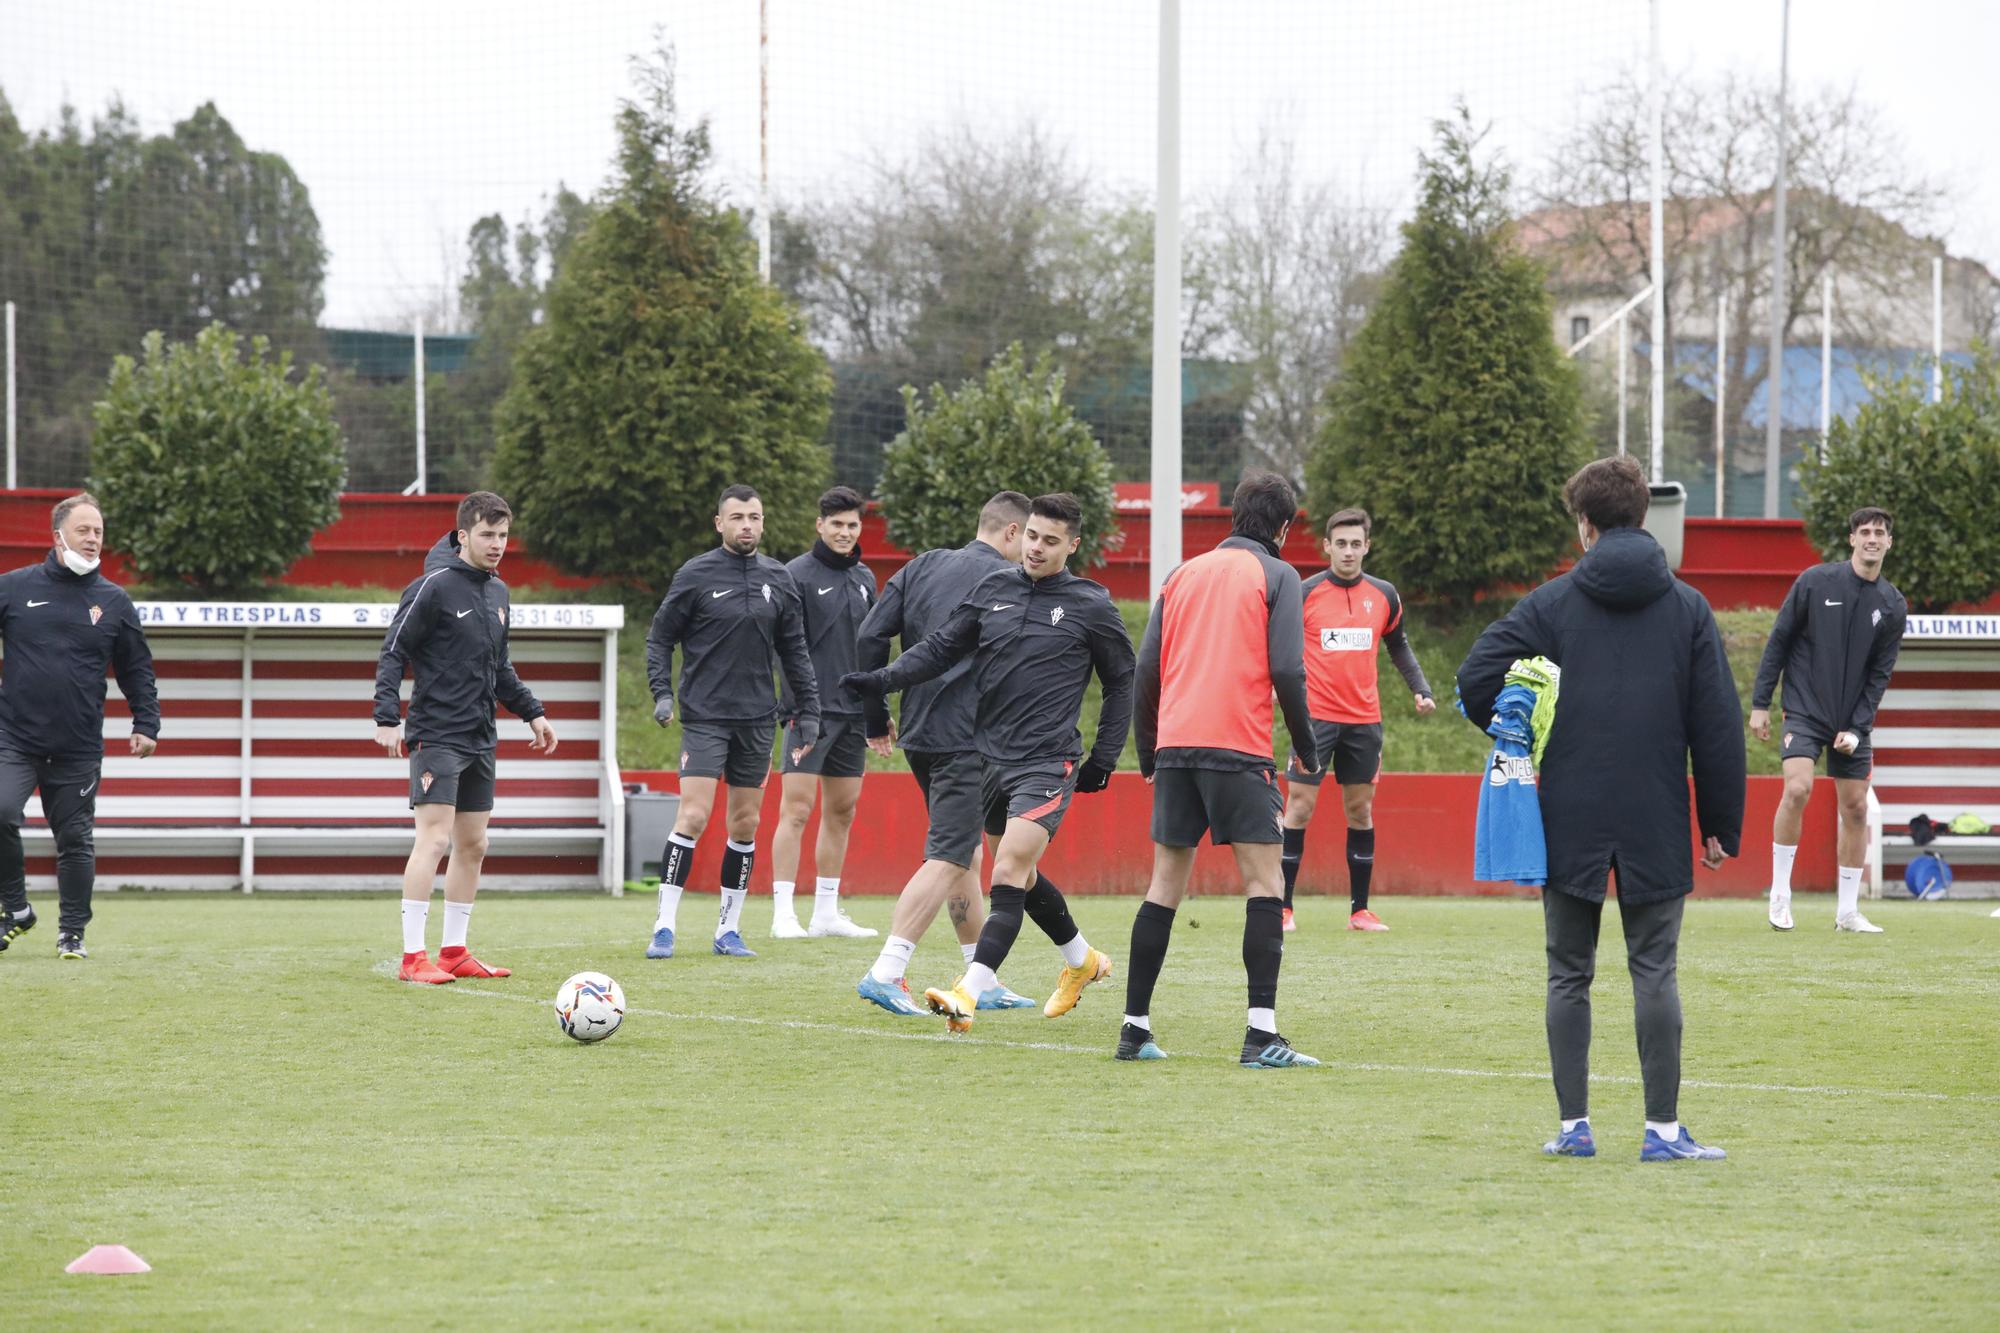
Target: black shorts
[(1351, 751), (1229, 805), (1804, 739), (737, 752), (840, 752), (950, 782), (1039, 790), (440, 775)]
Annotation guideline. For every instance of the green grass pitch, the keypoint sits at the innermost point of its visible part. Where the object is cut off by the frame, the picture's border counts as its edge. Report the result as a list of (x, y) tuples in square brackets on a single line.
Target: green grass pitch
[(237, 1090)]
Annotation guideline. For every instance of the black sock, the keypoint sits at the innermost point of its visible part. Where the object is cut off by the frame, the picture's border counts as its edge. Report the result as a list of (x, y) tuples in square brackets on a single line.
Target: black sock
[(675, 860), (1360, 866), (1047, 909), (1150, 932), (1263, 949), (1003, 923), (1295, 848), (736, 866)]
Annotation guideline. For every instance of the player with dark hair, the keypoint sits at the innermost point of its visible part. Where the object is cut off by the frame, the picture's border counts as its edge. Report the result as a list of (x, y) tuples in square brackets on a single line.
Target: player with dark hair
[(1204, 732), (1035, 634), (1348, 614), (731, 612), (936, 734), (1835, 642), (64, 623), (835, 592), (450, 631)]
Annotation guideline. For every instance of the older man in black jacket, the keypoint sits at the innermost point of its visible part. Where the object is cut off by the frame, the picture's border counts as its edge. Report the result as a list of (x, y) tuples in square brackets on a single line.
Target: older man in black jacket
[(1645, 687)]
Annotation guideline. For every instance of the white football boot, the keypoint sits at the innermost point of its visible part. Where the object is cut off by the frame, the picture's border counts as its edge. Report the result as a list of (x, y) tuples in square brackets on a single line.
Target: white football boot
[(1857, 923), (1781, 909)]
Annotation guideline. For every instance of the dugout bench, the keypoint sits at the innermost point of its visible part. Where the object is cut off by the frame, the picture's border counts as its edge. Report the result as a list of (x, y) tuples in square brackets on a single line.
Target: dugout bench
[(1937, 751), (268, 775)]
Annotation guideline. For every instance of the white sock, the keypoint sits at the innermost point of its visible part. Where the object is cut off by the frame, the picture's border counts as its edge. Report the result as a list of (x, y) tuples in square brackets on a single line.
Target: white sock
[(670, 906), (894, 962), (1264, 1020), (1075, 951), (826, 898), (1140, 1021), (968, 950), (731, 916), (415, 914), (1668, 1130), (1781, 868), (978, 980), (457, 920), (1570, 1125), (781, 899), (1849, 892)]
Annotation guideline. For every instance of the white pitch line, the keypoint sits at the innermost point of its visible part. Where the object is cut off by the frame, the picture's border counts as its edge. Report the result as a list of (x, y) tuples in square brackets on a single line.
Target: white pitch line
[(1356, 1066)]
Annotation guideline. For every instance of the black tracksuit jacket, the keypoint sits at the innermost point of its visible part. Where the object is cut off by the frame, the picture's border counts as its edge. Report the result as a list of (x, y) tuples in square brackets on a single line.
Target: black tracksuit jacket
[(1835, 641), (1033, 645), (732, 615), (938, 715), (1646, 694), (451, 631), (835, 598), (62, 630)]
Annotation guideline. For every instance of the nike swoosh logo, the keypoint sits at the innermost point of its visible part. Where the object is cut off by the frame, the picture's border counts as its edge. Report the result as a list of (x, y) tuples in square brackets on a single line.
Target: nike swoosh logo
[(1836, 603), (824, 591), (1002, 606), (87, 790), (1048, 793), (466, 612), (724, 593), (37, 603)]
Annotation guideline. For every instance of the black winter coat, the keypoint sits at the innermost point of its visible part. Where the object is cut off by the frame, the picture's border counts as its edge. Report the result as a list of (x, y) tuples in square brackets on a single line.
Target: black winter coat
[(62, 629), (1645, 688)]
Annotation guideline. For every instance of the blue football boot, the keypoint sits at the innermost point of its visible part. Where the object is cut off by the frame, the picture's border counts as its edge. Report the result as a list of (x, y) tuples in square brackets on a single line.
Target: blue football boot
[(891, 995), (1572, 1142), (1268, 1050), (729, 944), (1002, 998), (662, 945), (1682, 1149), (1136, 1043)]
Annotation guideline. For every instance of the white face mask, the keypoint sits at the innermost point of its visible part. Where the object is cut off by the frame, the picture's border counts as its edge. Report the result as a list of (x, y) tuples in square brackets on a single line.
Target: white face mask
[(77, 564)]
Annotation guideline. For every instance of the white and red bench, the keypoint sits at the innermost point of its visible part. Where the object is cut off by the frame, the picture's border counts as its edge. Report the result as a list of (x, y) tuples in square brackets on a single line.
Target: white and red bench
[(268, 775), (1937, 751)]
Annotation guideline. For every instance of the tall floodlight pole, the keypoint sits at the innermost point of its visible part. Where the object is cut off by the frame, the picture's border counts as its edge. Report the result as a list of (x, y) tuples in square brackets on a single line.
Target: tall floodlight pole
[(417, 367), (1658, 245), (1721, 393), (1774, 357), (1937, 329), (1166, 509), (764, 139), (1624, 375), (10, 397), (1825, 359)]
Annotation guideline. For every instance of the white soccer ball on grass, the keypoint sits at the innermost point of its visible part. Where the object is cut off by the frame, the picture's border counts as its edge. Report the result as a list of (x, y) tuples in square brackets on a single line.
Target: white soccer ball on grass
[(590, 1006)]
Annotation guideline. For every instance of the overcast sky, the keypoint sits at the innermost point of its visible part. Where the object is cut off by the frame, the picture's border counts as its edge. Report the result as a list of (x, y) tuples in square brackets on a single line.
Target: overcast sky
[(407, 121)]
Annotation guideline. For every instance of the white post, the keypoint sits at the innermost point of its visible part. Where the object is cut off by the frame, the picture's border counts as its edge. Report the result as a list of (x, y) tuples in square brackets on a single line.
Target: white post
[(764, 139), (1825, 359), (1721, 393), (423, 469), (10, 396), (1624, 351), (1662, 354), (1937, 329), (1774, 364), (1166, 443)]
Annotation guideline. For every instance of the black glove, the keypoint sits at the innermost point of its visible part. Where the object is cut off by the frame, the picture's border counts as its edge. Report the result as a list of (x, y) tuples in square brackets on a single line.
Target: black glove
[(865, 682), (804, 733), (1093, 776), (663, 709)]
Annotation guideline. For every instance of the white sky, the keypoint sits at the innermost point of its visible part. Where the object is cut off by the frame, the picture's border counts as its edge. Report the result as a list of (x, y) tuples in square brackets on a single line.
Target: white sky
[(407, 121)]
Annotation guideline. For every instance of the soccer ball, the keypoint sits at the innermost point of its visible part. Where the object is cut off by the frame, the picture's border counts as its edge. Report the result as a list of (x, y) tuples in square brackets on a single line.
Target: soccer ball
[(590, 1006)]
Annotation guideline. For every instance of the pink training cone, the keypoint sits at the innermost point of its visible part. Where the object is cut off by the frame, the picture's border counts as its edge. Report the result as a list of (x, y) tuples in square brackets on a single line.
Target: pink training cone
[(109, 1259)]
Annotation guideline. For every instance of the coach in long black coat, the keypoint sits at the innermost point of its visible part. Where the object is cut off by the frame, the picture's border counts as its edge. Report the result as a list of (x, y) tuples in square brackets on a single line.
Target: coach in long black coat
[(1645, 691)]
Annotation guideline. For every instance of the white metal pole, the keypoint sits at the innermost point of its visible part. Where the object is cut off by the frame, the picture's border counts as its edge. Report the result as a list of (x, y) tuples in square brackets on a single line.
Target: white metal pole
[(1721, 394), (1774, 364), (1624, 351), (1825, 358), (10, 397), (1937, 329), (1662, 355), (423, 469), (764, 139), (1166, 444)]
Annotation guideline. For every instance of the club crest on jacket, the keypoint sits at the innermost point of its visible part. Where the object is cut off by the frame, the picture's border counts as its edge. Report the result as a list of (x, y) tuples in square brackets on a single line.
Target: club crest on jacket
[(1055, 616), (97, 614)]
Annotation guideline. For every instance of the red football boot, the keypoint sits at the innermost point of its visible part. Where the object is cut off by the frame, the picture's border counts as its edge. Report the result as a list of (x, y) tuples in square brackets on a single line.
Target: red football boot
[(460, 963), (1362, 920), (417, 967), (1290, 923)]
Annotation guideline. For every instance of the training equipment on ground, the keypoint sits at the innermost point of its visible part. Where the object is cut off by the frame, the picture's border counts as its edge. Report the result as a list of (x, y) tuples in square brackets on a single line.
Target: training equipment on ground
[(110, 1260), (590, 1006)]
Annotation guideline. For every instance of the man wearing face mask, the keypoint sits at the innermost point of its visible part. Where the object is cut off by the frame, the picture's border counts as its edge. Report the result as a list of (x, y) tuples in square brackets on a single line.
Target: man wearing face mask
[(64, 623)]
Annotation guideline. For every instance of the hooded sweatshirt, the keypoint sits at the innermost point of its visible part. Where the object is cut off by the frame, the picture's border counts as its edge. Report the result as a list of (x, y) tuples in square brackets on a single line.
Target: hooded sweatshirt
[(451, 631), (1646, 692)]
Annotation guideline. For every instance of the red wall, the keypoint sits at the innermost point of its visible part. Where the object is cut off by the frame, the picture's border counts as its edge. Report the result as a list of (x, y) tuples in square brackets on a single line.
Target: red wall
[(1424, 825)]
